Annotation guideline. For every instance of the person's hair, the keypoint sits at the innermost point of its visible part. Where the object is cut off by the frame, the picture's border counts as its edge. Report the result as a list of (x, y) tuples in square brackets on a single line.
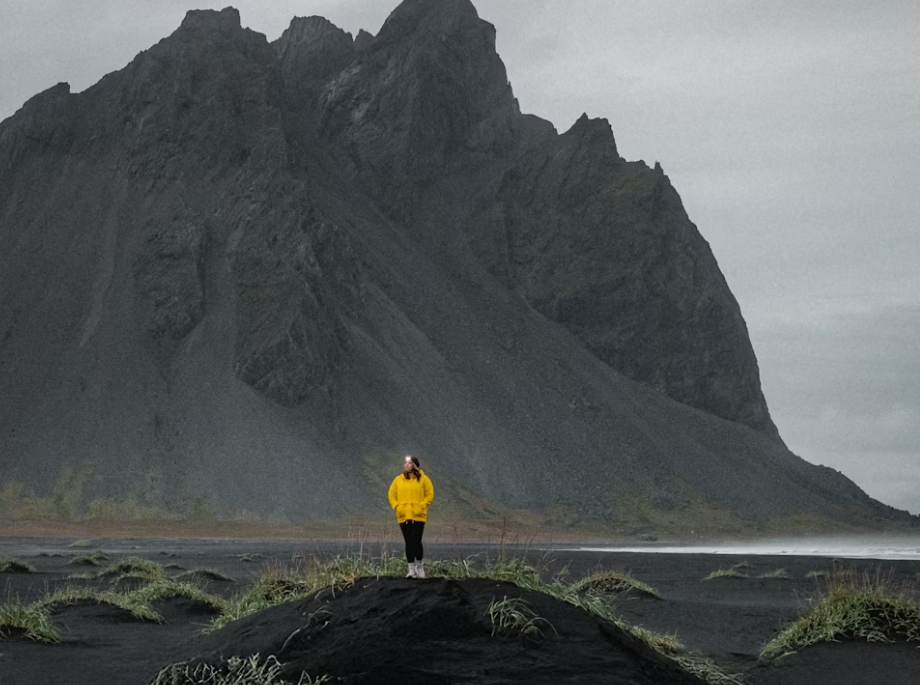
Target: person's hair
[(415, 472)]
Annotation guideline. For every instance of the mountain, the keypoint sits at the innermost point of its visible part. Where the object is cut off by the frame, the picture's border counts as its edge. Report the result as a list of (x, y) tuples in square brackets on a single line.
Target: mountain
[(242, 278)]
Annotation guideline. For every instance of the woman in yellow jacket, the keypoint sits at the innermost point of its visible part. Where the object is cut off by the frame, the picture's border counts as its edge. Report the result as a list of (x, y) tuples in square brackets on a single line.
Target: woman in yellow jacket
[(410, 495)]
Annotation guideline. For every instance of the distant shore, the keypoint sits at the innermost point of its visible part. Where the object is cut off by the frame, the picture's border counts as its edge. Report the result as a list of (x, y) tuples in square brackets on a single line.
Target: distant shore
[(381, 530)]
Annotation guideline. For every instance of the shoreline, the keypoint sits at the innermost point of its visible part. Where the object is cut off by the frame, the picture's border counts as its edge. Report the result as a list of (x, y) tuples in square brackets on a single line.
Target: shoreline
[(381, 529)]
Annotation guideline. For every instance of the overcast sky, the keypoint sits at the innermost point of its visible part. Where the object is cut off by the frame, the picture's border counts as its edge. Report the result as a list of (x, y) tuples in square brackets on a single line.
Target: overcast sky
[(791, 129)]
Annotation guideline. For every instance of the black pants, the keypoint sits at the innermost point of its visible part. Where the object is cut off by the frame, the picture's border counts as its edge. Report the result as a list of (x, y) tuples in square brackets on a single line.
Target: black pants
[(412, 534)]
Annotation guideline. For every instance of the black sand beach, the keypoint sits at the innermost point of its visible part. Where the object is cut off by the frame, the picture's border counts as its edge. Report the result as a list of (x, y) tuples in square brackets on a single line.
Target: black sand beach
[(727, 619)]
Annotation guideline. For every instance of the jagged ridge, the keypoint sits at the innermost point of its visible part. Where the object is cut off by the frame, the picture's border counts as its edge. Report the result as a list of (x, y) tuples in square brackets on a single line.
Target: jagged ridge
[(269, 268)]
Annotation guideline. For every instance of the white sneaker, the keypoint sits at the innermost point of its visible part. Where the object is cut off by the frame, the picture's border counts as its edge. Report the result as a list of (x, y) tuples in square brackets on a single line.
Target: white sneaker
[(419, 569), (413, 572)]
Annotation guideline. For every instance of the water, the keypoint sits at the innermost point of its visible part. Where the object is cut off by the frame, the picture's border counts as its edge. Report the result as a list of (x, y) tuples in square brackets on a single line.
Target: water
[(850, 549)]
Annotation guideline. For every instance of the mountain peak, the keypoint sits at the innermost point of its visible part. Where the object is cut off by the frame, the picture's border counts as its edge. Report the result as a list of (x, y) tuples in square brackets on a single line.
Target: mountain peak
[(432, 18), (364, 40), (311, 50), (45, 122), (592, 131), (430, 92), (224, 21), (314, 28)]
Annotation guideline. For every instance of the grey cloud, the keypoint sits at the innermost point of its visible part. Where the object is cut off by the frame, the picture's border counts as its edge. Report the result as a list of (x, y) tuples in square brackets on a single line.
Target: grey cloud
[(846, 390), (890, 477)]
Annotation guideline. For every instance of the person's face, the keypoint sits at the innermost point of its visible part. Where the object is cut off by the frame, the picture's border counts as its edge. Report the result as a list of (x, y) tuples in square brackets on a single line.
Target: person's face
[(408, 465)]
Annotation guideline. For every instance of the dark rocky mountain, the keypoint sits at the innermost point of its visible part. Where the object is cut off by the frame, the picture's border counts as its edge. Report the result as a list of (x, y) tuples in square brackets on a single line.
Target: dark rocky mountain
[(244, 277)]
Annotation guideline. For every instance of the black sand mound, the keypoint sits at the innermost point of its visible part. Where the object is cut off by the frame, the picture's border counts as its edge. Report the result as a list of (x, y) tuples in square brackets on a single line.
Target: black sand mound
[(439, 631), (72, 616)]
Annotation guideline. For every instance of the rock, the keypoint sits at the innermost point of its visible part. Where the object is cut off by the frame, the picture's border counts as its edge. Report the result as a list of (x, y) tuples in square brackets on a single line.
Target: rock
[(605, 248), (46, 123), (169, 279), (172, 107), (363, 41), (288, 343), (312, 50), (429, 93)]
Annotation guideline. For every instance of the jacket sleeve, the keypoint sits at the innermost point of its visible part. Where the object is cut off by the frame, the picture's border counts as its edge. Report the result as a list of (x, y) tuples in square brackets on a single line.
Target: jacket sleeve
[(428, 490), (392, 494)]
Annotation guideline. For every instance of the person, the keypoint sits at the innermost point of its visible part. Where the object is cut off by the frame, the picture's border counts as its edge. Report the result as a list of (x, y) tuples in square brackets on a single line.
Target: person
[(410, 495)]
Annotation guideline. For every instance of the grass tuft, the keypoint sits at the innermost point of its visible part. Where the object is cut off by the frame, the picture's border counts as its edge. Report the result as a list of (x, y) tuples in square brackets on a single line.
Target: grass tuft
[(780, 573), (32, 621), (459, 569), (663, 644), (135, 567), (516, 571), (234, 671), (515, 614), (853, 608), (161, 590), (94, 559), (16, 566), (726, 573), (81, 576), (615, 582), (129, 602), (205, 574)]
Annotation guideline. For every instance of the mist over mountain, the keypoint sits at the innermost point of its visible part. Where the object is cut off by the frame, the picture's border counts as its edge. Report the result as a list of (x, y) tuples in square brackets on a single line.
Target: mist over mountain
[(246, 277)]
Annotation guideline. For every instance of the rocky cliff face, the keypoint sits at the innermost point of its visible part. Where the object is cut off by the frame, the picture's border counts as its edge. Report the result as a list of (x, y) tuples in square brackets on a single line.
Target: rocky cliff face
[(600, 245), (246, 276), (604, 247), (428, 95)]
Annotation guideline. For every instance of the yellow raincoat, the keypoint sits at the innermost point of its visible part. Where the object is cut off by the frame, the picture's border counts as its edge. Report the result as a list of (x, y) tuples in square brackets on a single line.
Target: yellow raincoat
[(410, 497)]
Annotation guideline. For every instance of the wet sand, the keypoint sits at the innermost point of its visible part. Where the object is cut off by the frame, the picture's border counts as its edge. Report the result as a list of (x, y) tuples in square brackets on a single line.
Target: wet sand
[(728, 619)]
